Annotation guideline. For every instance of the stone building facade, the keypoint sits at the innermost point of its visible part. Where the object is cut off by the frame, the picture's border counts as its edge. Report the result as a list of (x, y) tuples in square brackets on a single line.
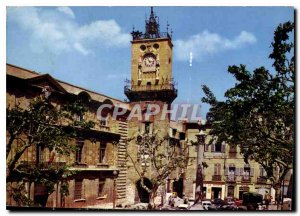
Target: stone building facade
[(227, 175), (100, 160)]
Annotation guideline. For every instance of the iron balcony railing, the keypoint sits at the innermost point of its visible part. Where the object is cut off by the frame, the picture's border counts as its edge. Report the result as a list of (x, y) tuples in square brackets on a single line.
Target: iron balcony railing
[(246, 179), (145, 88), (231, 178), (262, 180), (140, 36), (216, 178), (43, 165)]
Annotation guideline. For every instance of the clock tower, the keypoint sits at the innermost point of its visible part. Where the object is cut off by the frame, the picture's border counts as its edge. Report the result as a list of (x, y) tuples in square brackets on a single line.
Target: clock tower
[(151, 65), (151, 83)]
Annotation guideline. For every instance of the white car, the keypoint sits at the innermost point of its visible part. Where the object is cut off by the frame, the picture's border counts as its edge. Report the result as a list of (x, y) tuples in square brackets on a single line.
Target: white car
[(206, 204), (184, 206)]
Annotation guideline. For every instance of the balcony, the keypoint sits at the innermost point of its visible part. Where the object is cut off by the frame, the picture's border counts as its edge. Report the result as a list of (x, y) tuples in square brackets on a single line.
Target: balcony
[(261, 180), (42, 165), (232, 154), (246, 179), (216, 178), (164, 92), (140, 36), (231, 178)]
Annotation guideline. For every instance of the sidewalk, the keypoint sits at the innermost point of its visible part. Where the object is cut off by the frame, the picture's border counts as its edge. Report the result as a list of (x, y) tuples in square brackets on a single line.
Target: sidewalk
[(101, 206), (273, 207)]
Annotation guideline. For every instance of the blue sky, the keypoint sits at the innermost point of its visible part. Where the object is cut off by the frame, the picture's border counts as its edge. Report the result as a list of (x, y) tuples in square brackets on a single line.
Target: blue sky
[(90, 46)]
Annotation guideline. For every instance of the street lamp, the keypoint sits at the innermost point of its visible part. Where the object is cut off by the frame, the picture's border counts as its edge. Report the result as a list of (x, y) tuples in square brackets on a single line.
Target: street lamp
[(115, 174), (199, 173)]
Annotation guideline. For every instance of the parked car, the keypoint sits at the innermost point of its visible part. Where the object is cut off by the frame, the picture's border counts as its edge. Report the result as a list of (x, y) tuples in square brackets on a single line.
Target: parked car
[(218, 202), (206, 204), (184, 207), (191, 201), (212, 207), (232, 201)]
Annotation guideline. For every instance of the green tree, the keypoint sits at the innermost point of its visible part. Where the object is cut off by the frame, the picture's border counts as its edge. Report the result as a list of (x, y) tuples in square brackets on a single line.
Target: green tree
[(258, 113), (43, 125)]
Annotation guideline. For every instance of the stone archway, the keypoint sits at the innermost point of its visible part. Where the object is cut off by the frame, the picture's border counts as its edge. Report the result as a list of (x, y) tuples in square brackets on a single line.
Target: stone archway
[(143, 194)]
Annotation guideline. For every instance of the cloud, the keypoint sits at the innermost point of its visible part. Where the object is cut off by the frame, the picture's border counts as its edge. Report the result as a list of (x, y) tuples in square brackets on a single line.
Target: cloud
[(52, 30), (66, 10), (207, 43), (81, 49)]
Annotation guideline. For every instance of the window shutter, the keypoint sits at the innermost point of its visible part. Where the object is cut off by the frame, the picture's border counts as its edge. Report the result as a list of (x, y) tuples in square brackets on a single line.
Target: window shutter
[(236, 171), (219, 169), (213, 146), (216, 168), (223, 147), (226, 171), (241, 171), (206, 147), (251, 171)]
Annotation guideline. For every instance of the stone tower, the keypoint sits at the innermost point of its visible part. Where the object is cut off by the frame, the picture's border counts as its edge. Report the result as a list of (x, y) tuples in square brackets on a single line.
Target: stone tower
[(151, 83)]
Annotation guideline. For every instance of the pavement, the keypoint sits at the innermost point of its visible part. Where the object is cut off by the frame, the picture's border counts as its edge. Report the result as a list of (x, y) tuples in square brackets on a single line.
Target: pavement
[(101, 206), (197, 206)]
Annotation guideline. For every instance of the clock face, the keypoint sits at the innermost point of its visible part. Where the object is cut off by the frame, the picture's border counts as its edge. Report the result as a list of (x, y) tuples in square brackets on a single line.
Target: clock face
[(149, 61)]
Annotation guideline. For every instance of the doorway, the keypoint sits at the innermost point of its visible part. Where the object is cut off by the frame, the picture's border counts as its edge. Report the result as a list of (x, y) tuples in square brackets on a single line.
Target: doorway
[(242, 191), (178, 187), (216, 192), (148, 86), (143, 194), (40, 195), (230, 191)]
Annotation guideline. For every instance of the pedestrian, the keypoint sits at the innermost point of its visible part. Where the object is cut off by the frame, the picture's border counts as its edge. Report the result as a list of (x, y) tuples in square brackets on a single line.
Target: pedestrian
[(267, 200)]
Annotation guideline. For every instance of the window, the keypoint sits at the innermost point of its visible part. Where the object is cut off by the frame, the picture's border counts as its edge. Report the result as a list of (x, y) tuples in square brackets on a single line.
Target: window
[(206, 147), (231, 172), (230, 192), (232, 151), (102, 152), (218, 147), (79, 151), (173, 132), (217, 170), (40, 154), (147, 126), (262, 171), (104, 119), (145, 159), (246, 174), (101, 187), (148, 85), (182, 136), (78, 189)]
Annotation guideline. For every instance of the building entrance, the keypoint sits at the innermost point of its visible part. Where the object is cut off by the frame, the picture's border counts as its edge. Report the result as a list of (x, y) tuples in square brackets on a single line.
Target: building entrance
[(143, 193), (216, 192), (178, 187)]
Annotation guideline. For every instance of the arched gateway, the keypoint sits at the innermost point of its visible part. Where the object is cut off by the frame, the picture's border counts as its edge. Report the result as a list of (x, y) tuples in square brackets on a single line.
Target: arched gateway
[(143, 194)]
